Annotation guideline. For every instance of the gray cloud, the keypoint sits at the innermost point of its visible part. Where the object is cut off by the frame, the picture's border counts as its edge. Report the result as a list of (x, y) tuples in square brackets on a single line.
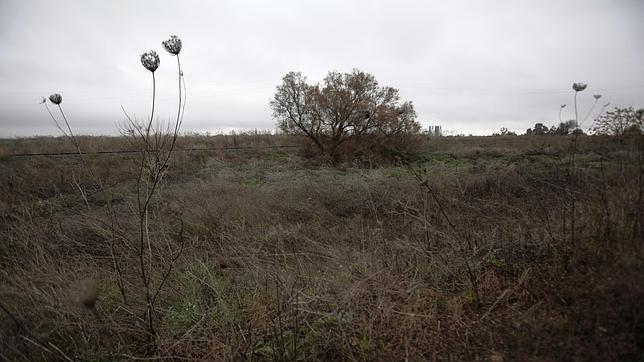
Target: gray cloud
[(472, 66)]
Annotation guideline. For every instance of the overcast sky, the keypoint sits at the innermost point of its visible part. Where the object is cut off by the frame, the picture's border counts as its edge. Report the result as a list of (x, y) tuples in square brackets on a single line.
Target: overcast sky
[(470, 66)]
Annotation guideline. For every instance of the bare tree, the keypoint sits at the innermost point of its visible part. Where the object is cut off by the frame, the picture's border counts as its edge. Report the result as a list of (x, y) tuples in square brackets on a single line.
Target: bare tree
[(292, 107), (617, 122)]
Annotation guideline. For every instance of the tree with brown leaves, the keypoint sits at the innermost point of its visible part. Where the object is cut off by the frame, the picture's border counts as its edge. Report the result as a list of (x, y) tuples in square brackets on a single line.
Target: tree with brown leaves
[(345, 106)]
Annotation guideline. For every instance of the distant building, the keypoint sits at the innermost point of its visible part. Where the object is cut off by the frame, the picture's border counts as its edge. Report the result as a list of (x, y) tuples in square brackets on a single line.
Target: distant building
[(435, 131)]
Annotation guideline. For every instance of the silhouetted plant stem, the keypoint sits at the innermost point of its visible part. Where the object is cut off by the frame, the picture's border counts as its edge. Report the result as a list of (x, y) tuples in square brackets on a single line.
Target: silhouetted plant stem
[(178, 124), (71, 134), (590, 110), (154, 88), (143, 215), (576, 116), (572, 172), (55, 120), (160, 158), (640, 196), (179, 119)]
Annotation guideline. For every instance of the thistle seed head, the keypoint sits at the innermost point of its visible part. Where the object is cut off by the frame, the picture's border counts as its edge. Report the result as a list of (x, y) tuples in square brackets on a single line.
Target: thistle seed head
[(43, 100), (563, 106), (578, 87), (172, 45), (150, 60), (597, 96), (56, 98)]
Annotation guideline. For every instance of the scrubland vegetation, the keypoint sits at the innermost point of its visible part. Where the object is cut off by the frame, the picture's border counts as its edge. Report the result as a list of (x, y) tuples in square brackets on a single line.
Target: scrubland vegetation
[(351, 236), (493, 248)]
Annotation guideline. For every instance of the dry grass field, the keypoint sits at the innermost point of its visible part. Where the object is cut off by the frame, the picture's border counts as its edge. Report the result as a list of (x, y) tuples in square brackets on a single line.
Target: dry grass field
[(491, 248)]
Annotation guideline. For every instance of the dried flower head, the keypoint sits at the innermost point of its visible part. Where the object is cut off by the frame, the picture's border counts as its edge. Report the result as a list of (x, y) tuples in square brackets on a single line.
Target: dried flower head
[(172, 45), (150, 60), (563, 106), (640, 114), (56, 98), (597, 96), (43, 100), (578, 87)]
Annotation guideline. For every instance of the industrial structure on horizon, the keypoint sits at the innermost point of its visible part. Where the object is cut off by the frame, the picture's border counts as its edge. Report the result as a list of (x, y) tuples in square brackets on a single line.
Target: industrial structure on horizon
[(436, 131)]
